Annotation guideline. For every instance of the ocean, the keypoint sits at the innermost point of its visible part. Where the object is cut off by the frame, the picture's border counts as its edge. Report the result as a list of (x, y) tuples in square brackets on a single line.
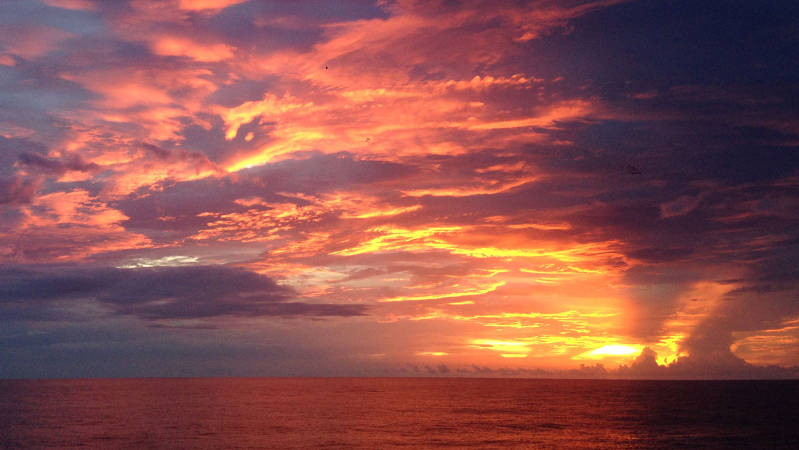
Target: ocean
[(200, 413)]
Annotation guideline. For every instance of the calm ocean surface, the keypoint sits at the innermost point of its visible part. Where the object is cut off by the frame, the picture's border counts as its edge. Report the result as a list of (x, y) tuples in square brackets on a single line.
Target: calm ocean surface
[(396, 412)]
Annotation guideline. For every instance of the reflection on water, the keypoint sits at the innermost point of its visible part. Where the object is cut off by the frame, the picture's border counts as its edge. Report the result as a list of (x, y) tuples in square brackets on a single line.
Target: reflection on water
[(353, 412)]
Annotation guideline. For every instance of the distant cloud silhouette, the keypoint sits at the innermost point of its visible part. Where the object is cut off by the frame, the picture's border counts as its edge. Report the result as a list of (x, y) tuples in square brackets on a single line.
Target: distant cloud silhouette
[(644, 366), (718, 365), (188, 292)]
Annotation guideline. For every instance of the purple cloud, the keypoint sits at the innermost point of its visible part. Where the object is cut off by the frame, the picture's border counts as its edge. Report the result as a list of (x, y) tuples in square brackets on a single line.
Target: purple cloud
[(162, 293)]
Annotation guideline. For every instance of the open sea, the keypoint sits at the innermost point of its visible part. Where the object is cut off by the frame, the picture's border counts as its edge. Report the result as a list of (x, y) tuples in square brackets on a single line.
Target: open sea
[(397, 412)]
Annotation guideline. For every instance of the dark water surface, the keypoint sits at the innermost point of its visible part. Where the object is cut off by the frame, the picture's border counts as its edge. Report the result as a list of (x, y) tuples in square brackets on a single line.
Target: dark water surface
[(396, 412)]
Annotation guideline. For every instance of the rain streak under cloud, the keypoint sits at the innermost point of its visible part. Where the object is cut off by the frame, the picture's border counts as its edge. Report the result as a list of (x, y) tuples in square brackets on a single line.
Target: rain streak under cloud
[(547, 187)]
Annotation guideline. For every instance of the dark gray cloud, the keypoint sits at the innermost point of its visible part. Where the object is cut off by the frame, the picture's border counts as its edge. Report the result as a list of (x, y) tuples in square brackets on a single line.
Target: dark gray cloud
[(17, 190), (12, 148), (52, 166), (157, 293), (196, 159), (720, 364)]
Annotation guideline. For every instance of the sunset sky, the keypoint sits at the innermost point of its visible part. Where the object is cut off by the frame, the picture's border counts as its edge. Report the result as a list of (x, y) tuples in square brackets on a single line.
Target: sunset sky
[(399, 187)]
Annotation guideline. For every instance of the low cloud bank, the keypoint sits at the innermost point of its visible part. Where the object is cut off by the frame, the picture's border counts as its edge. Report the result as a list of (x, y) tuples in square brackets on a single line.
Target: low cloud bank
[(645, 366), (155, 293)]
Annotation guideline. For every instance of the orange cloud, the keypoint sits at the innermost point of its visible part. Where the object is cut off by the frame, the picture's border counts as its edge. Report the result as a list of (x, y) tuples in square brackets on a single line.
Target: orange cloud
[(67, 226), (180, 46), (199, 5)]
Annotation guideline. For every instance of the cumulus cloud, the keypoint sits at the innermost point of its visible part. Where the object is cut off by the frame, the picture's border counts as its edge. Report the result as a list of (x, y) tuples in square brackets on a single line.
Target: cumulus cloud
[(701, 365)]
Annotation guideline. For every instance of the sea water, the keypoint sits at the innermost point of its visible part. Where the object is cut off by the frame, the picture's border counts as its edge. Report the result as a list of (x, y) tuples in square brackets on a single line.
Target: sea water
[(397, 412)]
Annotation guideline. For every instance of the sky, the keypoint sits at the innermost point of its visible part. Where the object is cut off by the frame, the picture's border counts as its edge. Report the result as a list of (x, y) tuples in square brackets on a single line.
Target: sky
[(399, 188)]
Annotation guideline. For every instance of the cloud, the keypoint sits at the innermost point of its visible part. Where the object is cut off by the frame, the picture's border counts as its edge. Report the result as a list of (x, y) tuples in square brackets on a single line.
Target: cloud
[(682, 205), (206, 4), (313, 174), (70, 4), (185, 47), (162, 293), (644, 366), (424, 150), (722, 365), (17, 190), (55, 166)]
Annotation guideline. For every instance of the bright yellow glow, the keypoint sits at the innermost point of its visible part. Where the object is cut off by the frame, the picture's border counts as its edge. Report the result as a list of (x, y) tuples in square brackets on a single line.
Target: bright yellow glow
[(381, 213), (397, 239), (445, 238), (611, 350), (507, 349), (486, 290), (617, 350)]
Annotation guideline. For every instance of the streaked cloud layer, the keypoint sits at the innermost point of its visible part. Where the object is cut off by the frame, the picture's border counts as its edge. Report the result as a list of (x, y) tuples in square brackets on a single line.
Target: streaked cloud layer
[(342, 188)]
